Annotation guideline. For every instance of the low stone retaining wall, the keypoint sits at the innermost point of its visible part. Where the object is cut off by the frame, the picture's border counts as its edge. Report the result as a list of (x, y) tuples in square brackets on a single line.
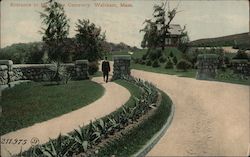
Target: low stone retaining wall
[(39, 72), (207, 65), (241, 66), (121, 66)]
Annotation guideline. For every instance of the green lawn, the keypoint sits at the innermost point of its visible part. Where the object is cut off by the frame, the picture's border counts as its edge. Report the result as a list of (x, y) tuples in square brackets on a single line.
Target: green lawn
[(29, 103), (161, 69), (137, 54), (140, 53), (191, 73)]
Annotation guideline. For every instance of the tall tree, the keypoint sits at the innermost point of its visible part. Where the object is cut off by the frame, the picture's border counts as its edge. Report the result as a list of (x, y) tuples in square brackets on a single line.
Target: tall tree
[(55, 30), (90, 41), (184, 41), (162, 18), (150, 38)]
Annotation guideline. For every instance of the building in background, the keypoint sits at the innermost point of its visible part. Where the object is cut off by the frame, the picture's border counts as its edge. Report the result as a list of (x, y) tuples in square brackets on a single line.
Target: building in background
[(174, 35)]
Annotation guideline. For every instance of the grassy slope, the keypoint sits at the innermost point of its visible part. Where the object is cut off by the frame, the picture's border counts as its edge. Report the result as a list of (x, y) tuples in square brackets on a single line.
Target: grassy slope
[(190, 73), (30, 103), (140, 53), (241, 39), (161, 69), (131, 142)]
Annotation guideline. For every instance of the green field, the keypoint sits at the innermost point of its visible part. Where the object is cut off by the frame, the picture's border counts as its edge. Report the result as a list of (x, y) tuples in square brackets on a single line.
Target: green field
[(30, 103)]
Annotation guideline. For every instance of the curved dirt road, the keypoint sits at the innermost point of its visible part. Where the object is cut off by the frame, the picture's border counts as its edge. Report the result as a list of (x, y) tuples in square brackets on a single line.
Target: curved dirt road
[(109, 102), (211, 118)]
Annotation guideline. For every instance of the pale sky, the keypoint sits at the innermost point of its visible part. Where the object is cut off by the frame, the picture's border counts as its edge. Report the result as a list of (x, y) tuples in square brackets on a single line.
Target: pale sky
[(20, 20)]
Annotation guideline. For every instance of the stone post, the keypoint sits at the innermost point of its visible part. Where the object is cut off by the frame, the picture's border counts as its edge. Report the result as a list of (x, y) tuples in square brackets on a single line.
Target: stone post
[(81, 67), (121, 66), (207, 66), (241, 66), (9, 65), (3, 74)]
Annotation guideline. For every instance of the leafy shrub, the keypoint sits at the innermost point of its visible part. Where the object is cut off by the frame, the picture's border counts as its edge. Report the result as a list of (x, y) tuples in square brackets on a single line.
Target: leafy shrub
[(227, 61), (152, 55), (155, 54), (59, 73), (175, 60), (155, 63), (171, 54), (148, 63), (136, 60), (169, 65), (162, 59), (183, 65), (93, 67), (144, 57), (224, 67), (142, 62), (241, 55)]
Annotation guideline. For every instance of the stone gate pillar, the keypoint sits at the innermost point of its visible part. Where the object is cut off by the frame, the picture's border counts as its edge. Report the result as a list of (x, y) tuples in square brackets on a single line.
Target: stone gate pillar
[(121, 66), (81, 67), (207, 65), (6, 79), (241, 66)]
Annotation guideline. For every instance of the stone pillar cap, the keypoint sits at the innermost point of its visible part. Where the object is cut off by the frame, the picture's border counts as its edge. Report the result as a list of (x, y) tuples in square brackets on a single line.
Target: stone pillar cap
[(6, 62), (3, 67)]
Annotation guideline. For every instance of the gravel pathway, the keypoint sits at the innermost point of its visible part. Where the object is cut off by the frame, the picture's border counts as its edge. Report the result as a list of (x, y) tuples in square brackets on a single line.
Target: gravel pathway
[(114, 97), (211, 118)]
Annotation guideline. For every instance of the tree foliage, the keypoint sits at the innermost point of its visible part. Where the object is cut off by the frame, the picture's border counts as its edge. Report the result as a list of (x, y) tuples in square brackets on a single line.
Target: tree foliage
[(156, 30), (150, 38), (90, 41), (23, 53), (55, 30)]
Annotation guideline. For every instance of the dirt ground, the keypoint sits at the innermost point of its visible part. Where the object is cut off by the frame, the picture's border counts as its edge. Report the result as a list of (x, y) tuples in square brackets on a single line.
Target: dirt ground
[(211, 118)]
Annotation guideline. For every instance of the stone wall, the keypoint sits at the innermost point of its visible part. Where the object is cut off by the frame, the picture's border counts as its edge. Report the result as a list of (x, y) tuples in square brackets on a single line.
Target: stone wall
[(121, 66), (241, 66), (41, 72), (207, 65), (3, 74)]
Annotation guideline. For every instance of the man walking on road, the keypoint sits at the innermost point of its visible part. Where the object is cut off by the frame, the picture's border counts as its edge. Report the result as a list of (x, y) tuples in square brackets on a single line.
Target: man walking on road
[(105, 69)]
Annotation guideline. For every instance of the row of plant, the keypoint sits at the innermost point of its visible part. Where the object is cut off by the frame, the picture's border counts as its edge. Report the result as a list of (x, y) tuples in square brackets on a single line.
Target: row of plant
[(158, 59), (188, 60), (137, 138), (87, 139)]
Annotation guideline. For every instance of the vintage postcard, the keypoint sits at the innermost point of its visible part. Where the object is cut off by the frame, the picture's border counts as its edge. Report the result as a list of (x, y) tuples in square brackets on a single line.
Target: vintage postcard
[(124, 78)]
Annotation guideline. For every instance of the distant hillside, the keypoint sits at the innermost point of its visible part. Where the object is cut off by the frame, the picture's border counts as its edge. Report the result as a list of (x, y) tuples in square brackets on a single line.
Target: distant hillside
[(237, 41), (121, 47), (34, 52)]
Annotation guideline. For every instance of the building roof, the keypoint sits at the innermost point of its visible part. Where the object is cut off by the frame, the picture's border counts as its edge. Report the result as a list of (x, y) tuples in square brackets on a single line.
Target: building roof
[(175, 29)]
